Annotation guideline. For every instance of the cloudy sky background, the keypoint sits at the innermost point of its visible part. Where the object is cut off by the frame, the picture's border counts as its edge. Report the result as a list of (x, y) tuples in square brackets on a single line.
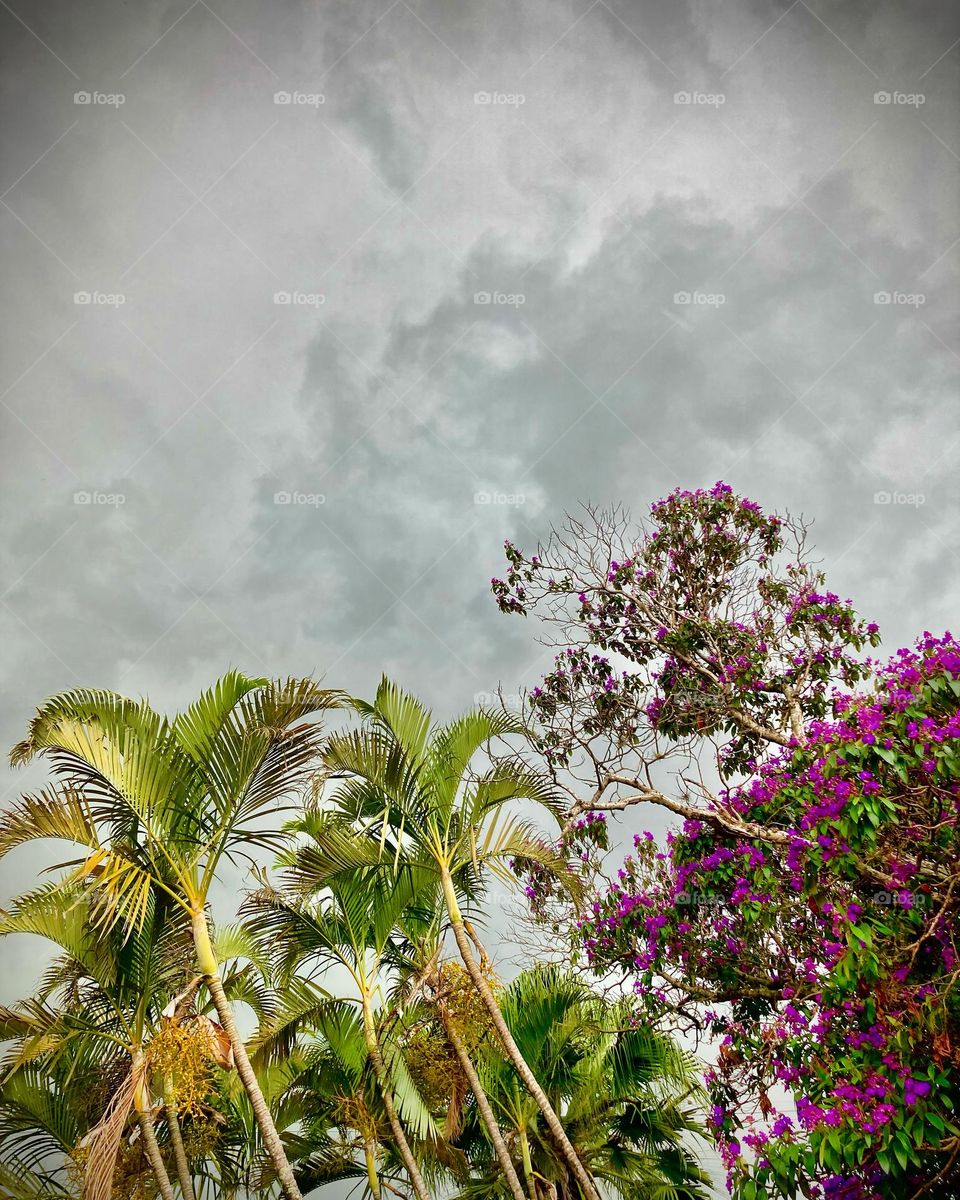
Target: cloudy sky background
[(583, 198)]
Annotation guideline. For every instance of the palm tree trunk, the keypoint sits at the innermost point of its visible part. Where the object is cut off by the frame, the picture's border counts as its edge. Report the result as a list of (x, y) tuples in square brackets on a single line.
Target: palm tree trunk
[(386, 1094), (483, 1104), (176, 1141), (151, 1148), (528, 1165), (373, 1179), (511, 1047), (210, 969)]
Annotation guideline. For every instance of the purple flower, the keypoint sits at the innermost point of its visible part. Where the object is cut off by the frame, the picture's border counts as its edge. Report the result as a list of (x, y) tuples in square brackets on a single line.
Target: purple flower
[(914, 1090)]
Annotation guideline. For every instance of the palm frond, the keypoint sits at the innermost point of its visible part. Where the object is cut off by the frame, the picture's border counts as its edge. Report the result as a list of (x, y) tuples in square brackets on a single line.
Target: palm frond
[(198, 727), (56, 812), (121, 890), (404, 716), (334, 852), (236, 941), (512, 780), (56, 912), (103, 714), (411, 1106), (304, 1008)]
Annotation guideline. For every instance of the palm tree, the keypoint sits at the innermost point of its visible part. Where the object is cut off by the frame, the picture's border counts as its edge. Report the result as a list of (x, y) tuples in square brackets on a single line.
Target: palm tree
[(426, 992), (333, 1095), (350, 927), (97, 1007), (406, 795), (42, 1118), (158, 805), (107, 1008), (52, 1088), (463, 1030), (452, 1002), (628, 1095)]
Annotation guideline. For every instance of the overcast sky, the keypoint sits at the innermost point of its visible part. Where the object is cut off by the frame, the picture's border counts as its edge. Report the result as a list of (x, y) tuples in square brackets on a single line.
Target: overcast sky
[(583, 167)]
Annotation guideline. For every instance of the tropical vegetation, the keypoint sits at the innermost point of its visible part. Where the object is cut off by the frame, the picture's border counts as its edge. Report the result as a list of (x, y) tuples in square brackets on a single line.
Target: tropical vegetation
[(355, 1021)]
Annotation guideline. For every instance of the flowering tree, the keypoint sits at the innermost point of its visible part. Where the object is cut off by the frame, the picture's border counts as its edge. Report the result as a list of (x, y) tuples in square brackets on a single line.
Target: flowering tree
[(805, 912)]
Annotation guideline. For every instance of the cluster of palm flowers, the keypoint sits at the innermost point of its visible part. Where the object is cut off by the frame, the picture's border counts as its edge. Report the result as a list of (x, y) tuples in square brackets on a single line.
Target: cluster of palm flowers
[(347, 1026)]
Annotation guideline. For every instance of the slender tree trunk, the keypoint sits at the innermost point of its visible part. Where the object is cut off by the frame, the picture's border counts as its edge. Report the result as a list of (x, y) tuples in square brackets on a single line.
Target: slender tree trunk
[(176, 1141), (373, 1179), (210, 969), (511, 1047), (483, 1103), (386, 1094), (141, 1103), (528, 1165)]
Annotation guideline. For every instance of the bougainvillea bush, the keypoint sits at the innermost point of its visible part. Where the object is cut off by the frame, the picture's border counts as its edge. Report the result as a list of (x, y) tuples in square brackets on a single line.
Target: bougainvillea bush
[(804, 909)]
